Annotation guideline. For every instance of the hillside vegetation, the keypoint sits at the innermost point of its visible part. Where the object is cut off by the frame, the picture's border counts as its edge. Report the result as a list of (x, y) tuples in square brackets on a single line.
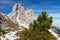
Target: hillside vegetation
[(38, 29)]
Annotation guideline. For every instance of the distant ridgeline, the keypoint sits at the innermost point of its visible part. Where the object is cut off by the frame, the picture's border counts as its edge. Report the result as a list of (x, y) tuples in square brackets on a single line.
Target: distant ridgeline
[(56, 30)]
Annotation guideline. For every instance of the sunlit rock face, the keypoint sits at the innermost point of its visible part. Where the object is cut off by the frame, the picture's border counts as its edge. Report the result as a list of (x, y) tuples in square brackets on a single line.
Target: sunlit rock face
[(21, 16), (17, 9)]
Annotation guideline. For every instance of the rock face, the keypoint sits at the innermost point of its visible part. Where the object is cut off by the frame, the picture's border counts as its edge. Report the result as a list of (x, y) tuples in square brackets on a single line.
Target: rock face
[(21, 16), (18, 19), (6, 23)]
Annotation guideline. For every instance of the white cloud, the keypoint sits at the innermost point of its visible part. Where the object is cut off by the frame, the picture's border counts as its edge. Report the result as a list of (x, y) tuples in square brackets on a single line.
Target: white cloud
[(56, 20), (55, 15), (56, 23)]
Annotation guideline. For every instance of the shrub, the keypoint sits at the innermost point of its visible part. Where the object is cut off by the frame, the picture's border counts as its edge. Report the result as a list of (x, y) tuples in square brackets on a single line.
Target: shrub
[(34, 35)]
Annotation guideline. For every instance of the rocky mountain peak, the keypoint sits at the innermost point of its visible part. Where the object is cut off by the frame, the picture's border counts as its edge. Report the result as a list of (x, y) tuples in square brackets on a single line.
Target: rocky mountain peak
[(21, 16), (18, 7)]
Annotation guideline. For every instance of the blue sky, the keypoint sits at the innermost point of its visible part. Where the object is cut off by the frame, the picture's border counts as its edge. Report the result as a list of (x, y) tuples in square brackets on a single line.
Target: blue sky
[(51, 6)]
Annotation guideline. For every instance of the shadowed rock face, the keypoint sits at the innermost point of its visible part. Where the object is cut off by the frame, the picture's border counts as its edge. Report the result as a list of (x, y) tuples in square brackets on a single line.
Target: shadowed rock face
[(0, 21), (17, 7)]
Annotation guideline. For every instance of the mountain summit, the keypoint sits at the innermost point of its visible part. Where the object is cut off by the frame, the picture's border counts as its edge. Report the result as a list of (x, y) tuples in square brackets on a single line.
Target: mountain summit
[(19, 18)]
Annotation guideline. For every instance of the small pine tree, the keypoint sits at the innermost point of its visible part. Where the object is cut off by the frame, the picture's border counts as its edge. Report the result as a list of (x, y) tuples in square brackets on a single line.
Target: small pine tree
[(43, 22)]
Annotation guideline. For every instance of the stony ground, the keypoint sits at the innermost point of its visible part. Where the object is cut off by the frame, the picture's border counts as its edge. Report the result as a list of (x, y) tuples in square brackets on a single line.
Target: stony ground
[(9, 36)]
